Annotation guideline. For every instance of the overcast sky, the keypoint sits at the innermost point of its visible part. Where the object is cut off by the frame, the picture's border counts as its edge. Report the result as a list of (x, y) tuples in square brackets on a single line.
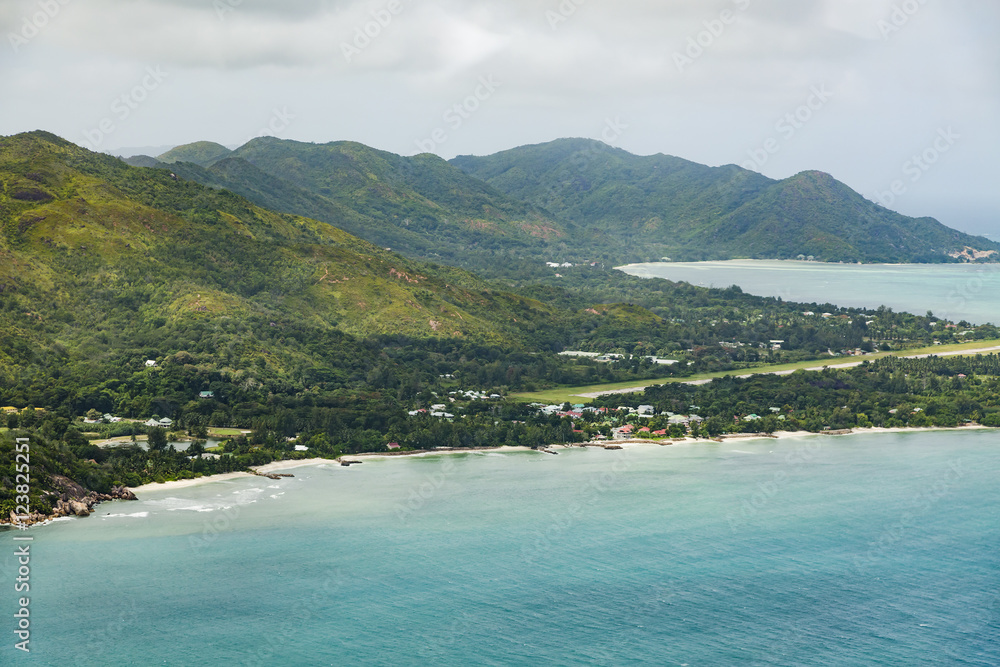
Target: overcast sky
[(869, 84)]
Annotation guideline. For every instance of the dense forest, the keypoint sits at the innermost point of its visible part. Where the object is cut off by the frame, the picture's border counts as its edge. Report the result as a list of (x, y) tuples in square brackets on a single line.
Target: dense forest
[(889, 392)]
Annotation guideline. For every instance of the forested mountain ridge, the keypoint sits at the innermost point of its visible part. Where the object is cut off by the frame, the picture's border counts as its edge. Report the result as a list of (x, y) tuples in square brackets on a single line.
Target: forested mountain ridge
[(574, 200), (659, 205), (67, 213), (420, 205), (105, 264)]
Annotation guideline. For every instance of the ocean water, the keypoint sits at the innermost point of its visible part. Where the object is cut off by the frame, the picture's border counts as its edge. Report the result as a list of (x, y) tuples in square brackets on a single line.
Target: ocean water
[(860, 550), (956, 291)]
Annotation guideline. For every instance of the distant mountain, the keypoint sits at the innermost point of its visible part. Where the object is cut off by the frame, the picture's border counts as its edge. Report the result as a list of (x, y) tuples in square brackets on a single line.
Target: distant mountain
[(421, 205), (143, 161), (132, 151), (574, 200), (645, 207), (203, 153)]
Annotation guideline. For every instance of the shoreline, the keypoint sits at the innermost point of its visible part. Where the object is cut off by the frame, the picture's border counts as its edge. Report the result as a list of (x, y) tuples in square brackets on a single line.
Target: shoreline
[(291, 464), (610, 445)]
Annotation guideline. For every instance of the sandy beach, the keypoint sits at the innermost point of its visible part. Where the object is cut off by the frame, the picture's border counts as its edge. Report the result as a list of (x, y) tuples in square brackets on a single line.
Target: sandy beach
[(279, 466), (291, 464), (185, 483), (436, 452)]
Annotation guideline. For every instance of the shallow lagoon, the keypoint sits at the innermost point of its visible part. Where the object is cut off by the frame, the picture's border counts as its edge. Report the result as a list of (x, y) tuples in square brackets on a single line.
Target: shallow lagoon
[(955, 291)]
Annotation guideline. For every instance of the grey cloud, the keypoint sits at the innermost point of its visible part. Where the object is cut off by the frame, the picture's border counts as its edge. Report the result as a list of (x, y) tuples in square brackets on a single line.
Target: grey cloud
[(561, 76)]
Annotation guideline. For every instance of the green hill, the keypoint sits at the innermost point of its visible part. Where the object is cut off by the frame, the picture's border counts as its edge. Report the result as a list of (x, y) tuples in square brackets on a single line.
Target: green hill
[(645, 207), (574, 200), (421, 205), (105, 265), (203, 153), (239, 176)]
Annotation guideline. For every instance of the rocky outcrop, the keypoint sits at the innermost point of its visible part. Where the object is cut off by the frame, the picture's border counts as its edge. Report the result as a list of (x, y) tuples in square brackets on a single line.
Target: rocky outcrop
[(71, 499), (269, 475), (78, 507)]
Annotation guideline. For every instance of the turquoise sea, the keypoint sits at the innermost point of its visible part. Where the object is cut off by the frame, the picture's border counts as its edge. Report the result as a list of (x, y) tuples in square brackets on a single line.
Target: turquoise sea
[(955, 291), (860, 550)]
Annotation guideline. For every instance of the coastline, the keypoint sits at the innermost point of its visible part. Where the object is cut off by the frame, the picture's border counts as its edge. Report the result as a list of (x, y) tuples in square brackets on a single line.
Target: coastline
[(291, 464)]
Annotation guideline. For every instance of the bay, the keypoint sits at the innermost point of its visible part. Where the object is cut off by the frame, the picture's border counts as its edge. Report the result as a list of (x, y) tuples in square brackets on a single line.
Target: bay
[(860, 550), (957, 292)]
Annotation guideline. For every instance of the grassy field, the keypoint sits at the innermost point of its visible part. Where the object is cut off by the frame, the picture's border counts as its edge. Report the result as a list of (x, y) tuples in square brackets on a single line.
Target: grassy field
[(212, 432), (566, 394)]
